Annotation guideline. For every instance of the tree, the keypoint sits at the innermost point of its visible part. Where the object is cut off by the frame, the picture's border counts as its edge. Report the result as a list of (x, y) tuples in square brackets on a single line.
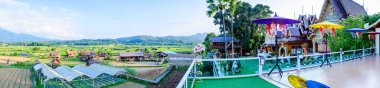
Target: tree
[(219, 6), (246, 32), (345, 40), (232, 8), (372, 18), (207, 41)]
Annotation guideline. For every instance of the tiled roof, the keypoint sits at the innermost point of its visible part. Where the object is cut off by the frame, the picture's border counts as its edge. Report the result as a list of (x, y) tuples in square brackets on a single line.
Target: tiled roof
[(131, 54), (353, 8), (221, 39)]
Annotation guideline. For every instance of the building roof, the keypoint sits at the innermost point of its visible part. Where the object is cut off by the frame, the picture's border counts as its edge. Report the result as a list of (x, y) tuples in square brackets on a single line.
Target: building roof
[(221, 39), (68, 73), (90, 72), (294, 32), (108, 69), (47, 71), (71, 52), (126, 54), (374, 25), (344, 8)]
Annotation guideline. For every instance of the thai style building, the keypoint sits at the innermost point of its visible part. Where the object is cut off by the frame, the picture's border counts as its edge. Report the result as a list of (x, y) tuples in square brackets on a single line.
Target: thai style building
[(218, 44), (338, 10), (293, 38)]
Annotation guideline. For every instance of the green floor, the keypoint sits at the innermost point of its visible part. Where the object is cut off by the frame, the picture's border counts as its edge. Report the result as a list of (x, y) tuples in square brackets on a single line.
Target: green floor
[(244, 82)]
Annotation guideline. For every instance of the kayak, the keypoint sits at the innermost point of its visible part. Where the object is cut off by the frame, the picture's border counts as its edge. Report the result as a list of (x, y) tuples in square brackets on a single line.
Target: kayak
[(315, 84), (297, 82)]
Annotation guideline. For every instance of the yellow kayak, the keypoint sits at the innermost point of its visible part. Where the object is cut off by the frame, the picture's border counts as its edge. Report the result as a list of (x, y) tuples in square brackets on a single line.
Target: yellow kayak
[(297, 82)]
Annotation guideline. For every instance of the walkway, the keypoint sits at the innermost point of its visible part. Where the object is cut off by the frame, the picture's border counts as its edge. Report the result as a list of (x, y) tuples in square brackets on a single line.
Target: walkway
[(350, 74)]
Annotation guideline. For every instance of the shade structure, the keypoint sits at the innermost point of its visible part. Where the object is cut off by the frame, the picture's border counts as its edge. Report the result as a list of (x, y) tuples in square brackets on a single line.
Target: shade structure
[(90, 72), (372, 32), (275, 20), (108, 69), (68, 73), (326, 24), (355, 30)]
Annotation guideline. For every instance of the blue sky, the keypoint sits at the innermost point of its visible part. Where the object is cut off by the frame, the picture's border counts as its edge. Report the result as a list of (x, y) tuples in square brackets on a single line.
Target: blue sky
[(92, 19)]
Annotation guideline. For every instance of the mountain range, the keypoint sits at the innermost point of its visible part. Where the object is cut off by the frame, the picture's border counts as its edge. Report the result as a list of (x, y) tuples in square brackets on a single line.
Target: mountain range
[(7, 36)]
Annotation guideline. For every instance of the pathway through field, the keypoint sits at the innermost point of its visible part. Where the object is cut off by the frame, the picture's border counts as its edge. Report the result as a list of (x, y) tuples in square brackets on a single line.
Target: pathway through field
[(14, 78)]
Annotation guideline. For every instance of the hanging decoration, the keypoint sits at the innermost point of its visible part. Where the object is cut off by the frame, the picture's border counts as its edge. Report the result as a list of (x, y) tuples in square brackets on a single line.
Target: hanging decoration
[(268, 29), (333, 31), (321, 30)]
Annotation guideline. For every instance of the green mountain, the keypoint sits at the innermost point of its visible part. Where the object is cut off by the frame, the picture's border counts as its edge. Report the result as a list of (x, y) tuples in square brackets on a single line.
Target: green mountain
[(7, 36)]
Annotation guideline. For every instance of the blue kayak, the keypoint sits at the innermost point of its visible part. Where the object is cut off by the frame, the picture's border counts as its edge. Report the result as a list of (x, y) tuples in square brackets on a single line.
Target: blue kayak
[(315, 84)]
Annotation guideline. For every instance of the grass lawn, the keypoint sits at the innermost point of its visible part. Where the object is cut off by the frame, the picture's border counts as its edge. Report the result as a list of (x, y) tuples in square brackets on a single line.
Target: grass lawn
[(244, 82)]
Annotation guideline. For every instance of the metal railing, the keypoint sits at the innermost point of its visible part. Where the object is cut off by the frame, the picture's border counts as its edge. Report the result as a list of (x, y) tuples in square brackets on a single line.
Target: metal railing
[(255, 66)]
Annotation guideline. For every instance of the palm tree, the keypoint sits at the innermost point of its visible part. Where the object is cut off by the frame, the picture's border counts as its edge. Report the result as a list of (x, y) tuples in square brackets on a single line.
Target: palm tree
[(219, 6), (232, 8)]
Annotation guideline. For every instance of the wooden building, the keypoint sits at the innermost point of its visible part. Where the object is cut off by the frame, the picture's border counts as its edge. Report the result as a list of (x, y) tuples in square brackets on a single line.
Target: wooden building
[(338, 10), (54, 54), (86, 54), (72, 53), (218, 43), (131, 56)]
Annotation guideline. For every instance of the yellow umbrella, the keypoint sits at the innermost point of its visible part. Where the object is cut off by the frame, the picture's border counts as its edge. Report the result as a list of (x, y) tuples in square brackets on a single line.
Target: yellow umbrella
[(326, 24)]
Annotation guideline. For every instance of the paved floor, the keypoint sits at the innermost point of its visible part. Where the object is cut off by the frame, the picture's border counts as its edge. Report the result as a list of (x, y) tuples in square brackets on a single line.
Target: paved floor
[(14, 78), (350, 74)]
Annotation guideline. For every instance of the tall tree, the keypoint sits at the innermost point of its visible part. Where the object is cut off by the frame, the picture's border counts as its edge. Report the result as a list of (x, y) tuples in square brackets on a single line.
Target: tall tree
[(207, 41), (219, 6), (247, 33), (232, 8)]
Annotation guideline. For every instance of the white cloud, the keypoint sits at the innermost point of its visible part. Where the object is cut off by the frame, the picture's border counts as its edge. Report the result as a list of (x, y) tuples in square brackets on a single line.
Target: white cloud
[(54, 23)]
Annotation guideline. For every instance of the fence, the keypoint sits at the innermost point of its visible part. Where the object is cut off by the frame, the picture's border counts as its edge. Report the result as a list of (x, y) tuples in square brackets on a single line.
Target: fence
[(246, 67)]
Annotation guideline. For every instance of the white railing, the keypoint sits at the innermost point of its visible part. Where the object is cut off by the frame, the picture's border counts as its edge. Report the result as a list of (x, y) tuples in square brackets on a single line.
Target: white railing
[(336, 57)]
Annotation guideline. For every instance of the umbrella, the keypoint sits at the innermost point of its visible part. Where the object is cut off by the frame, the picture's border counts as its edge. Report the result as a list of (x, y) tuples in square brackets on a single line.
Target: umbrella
[(326, 25), (355, 30), (275, 20)]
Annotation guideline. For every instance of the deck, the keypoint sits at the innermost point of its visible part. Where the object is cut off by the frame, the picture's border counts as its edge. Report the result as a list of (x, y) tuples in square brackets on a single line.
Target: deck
[(355, 73), (15, 78)]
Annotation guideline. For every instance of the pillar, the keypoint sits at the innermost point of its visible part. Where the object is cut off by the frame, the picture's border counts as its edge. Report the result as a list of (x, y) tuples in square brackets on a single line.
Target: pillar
[(314, 46), (377, 41)]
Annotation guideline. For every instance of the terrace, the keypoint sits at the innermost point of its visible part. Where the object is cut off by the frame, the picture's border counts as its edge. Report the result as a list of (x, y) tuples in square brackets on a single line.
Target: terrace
[(252, 72)]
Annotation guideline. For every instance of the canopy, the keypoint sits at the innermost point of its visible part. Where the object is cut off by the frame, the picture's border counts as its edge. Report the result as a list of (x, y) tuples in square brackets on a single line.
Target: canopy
[(37, 67), (108, 69), (372, 32), (355, 30), (49, 73), (90, 72), (326, 24), (68, 73), (275, 20)]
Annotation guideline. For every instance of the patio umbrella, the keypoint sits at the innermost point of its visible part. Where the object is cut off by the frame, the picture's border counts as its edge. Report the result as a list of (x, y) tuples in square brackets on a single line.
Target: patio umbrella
[(326, 25), (275, 20), (355, 30)]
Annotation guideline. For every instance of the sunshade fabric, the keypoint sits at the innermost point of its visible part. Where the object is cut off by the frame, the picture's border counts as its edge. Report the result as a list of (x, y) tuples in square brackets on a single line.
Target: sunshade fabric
[(107, 69), (68, 73), (90, 72)]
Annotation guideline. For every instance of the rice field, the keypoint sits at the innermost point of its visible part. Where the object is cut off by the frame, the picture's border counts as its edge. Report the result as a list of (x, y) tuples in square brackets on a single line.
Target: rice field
[(15, 78)]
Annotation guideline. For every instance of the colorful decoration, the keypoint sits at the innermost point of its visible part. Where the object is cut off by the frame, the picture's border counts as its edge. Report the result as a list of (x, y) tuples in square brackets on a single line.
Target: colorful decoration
[(268, 29), (333, 31), (321, 30)]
